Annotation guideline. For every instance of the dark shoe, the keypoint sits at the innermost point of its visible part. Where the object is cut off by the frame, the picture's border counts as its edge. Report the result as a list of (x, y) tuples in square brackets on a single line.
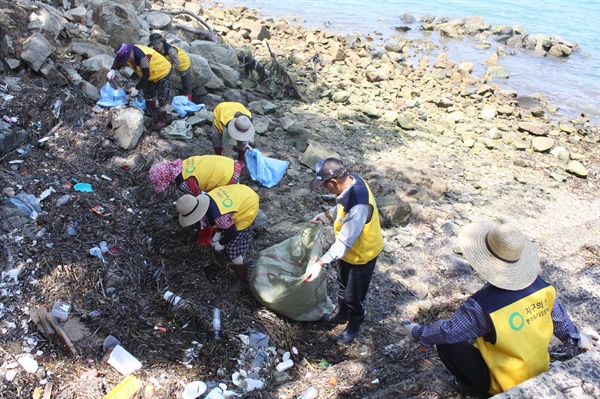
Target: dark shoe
[(241, 277), (162, 121), (347, 335), (336, 317)]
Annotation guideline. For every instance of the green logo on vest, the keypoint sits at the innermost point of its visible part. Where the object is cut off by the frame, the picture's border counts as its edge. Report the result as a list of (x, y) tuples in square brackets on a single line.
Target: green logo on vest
[(190, 169), (520, 321), (227, 202)]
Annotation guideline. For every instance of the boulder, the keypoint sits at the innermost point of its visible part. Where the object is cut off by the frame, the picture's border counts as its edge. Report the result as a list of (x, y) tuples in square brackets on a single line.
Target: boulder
[(128, 127)]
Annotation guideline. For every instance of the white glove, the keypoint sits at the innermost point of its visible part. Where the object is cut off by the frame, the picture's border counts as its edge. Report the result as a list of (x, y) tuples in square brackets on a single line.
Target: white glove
[(111, 75), (313, 271), (218, 247), (589, 340), (319, 218), (133, 92), (216, 237), (408, 328)]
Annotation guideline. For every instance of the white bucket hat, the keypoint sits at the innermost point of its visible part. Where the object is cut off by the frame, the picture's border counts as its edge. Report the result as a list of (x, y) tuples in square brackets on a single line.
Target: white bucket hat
[(501, 254), (241, 129), (191, 209)]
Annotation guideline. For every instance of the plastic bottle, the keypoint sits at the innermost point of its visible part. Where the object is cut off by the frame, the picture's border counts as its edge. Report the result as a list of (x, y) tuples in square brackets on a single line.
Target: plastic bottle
[(172, 298), (216, 322), (285, 365), (259, 359), (310, 393)]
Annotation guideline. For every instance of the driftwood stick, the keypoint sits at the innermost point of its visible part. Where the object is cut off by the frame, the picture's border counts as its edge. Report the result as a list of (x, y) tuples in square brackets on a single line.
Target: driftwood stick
[(279, 70), (191, 14)]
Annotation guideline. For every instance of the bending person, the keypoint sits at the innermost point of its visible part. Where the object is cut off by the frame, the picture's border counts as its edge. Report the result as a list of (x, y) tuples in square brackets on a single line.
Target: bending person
[(179, 59), (235, 120)]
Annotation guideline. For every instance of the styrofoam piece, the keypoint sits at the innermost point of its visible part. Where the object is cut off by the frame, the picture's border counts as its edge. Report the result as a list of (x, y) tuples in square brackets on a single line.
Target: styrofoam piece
[(123, 361), (285, 365), (193, 390)]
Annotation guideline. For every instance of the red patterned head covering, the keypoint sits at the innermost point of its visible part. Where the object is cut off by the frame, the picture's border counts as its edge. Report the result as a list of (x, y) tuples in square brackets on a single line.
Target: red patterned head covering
[(162, 173)]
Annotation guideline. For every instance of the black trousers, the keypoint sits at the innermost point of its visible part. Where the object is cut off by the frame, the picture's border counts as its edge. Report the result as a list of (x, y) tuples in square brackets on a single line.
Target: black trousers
[(353, 284), (466, 363)]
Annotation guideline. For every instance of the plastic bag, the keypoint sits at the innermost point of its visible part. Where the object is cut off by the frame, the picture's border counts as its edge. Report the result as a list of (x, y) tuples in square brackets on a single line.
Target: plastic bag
[(183, 105), (277, 279), (111, 97), (28, 204), (266, 171), (178, 130), (138, 102)]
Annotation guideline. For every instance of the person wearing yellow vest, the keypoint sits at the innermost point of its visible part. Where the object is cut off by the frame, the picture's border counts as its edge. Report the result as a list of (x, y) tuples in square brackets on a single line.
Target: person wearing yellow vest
[(358, 242), (179, 59), (232, 210), (234, 119), (154, 72), (499, 336)]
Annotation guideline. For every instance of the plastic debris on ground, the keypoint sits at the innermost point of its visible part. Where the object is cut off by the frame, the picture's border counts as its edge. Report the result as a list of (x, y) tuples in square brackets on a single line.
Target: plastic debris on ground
[(83, 187), (193, 390), (123, 361)]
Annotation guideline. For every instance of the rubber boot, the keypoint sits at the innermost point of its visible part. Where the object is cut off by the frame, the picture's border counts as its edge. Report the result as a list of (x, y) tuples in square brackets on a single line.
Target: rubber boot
[(241, 277), (339, 315), (151, 105), (162, 121), (351, 330), (189, 96), (218, 150)]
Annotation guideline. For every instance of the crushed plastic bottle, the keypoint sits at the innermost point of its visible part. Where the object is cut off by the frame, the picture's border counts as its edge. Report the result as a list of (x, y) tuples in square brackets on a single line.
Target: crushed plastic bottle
[(310, 393)]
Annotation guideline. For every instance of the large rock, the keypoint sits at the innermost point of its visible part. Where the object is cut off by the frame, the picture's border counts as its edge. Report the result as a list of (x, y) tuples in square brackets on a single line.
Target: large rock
[(88, 48), (394, 212), (215, 53), (35, 51), (227, 74), (11, 137), (128, 127), (119, 21), (297, 137), (535, 128)]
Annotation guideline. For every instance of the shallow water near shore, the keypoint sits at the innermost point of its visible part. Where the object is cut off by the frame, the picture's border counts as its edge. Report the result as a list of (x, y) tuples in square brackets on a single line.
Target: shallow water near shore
[(572, 84)]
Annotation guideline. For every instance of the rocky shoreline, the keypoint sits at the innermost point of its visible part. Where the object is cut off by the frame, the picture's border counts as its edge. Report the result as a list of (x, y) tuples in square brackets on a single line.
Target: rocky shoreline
[(439, 147)]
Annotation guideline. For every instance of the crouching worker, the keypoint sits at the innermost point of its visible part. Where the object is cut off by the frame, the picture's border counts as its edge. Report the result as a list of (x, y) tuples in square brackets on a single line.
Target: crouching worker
[(232, 209), (179, 59), (195, 174), (358, 242), (234, 119), (154, 72), (512, 318)]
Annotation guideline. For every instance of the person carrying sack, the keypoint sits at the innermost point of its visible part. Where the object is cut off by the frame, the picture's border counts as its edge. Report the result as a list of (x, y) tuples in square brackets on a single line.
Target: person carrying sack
[(232, 210), (180, 60), (235, 120), (511, 319), (154, 72), (358, 242)]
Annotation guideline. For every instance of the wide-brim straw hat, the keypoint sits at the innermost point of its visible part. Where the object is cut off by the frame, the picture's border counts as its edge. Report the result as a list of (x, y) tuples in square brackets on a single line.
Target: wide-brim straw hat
[(501, 254), (241, 128), (191, 209)]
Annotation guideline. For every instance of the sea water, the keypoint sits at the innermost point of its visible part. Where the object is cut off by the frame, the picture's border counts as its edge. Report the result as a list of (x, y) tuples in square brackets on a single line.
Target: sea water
[(570, 83)]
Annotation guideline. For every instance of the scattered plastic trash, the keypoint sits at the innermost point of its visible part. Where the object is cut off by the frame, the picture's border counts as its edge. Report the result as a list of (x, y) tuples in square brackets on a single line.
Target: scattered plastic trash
[(109, 343), (71, 229), (250, 384), (28, 363), (114, 250), (110, 97), (28, 204), (98, 210), (125, 389), (9, 119), (138, 102), (264, 170), (83, 187), (259, 339), (46, 193), (310, 393), (216, 322), (103, 247), (106, 177), (183, 105), (63, 200), (193, 390), (60, 310), (261, 219), (259, 359), (97, 252), (172, 298), (123, 361), (191, 353), (285, 365), (25, 150)]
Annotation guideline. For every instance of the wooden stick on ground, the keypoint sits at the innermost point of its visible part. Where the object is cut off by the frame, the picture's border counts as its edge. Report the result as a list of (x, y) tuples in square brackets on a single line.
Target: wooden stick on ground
[(62, 335)]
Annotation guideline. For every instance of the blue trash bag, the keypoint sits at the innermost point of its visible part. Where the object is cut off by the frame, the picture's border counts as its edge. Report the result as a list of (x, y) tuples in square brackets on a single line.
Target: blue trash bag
[(183, 105), (27, 203), (266, 171), (138, 102), (111, 97)]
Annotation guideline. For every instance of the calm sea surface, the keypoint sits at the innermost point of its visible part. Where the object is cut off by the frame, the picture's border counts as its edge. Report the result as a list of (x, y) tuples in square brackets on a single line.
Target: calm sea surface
[(572, 83)]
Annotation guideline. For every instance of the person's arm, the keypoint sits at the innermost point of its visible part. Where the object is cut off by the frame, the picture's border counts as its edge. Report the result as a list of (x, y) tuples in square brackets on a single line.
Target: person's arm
[(145, 66), (225, 224), (353, 225), (564, 328), (469, 322), (188, 186), (173, 57)]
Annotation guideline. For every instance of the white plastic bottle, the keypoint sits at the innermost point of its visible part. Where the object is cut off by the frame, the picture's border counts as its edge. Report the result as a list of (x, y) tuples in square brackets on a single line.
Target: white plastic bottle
[(172, 298), (216, 322), (310, 393)]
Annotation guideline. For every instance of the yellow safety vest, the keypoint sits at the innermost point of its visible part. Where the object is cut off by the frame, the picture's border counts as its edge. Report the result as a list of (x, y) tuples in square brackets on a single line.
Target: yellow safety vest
[(159, 65), (239, 199), (225, 112), (369, 243), (184, 60), (211, 171), (523, 328)]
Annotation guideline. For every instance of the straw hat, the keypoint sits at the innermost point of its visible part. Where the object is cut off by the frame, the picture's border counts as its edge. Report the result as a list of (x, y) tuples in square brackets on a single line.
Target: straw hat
[(191, 209), (241, 128), (501, 254)]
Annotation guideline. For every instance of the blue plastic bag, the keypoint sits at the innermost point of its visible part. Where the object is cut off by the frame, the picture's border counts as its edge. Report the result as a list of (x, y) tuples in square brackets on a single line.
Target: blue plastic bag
[(138, 102), (183, 105), (111, 97), (266, 171)]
